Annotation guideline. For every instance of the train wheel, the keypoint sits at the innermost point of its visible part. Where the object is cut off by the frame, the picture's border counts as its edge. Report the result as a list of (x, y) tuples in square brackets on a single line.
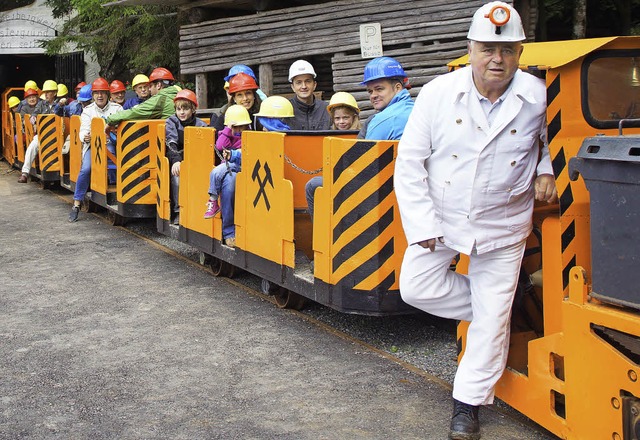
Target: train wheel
[(116, 219), (221, 268), (285, 299)]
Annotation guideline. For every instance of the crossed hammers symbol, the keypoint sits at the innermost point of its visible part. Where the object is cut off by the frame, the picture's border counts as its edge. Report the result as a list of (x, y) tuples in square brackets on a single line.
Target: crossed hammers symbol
[(98, 149), (262, 183)]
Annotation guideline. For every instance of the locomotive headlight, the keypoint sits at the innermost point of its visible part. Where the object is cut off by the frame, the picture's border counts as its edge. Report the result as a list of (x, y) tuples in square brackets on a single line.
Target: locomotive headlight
[(499, 15)]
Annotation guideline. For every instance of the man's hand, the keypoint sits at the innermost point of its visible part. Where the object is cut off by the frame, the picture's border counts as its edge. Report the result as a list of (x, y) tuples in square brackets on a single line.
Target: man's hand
[(430, 243), (545, 188), (87, 138), (175, 169), (226, 154)]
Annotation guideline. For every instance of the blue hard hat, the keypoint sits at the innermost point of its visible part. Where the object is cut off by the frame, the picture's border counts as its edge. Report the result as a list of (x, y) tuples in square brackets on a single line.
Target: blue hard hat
[(84, 94), (382, 67), (240, 68)]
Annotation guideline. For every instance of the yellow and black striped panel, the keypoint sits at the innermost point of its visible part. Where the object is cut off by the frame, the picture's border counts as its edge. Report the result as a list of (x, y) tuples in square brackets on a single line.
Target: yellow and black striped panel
[(365, 224), (565, 131), (50, 138), (162, 176), (137, 146), (20, 147)]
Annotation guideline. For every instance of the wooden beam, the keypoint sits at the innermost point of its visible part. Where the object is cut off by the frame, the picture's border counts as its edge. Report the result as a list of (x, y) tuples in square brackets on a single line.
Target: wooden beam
[(266, 78), (201, 90)]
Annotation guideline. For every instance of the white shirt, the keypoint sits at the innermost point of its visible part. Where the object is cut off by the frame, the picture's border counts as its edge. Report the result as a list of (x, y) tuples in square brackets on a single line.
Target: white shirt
[(93, 111)]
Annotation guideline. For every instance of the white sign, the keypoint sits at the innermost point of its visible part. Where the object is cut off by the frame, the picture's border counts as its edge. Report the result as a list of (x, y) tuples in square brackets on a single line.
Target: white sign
[(371, 40), (22, 29)]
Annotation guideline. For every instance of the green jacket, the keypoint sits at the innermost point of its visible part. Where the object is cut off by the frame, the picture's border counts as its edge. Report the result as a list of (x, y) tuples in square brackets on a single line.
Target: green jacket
[(159, 106)]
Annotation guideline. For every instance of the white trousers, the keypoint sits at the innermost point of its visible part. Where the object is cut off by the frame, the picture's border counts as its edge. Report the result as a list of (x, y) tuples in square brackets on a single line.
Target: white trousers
[(483, 297), (30, 155)]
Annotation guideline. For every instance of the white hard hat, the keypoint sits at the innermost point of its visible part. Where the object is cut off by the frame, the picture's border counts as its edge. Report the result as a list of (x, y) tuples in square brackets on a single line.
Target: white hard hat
[(496, 22), (301, 67)]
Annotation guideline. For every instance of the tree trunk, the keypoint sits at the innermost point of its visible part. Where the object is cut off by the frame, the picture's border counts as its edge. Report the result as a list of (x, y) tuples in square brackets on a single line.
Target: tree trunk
[(579, 19)]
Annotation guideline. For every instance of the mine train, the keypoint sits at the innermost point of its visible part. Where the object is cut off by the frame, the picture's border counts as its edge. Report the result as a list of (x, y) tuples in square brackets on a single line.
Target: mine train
[(574, 358)]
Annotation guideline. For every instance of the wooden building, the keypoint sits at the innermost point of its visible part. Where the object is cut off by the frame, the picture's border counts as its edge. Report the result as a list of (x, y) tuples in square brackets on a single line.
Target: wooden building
[(422, 34)]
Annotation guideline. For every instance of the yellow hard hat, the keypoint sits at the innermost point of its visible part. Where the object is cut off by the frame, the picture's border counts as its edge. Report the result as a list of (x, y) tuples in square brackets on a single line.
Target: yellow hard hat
[(343, 98), (62, 90), (276, 107), (236, 115), (226, 85), (139, 79), (31, 84), (42, 96), (13, 101), (50, 86)]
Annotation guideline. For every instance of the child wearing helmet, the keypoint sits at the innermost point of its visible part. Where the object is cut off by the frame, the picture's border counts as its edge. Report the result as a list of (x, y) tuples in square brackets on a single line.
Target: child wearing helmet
[(185, 104), (344, 112), (276, 114), (236, 120)]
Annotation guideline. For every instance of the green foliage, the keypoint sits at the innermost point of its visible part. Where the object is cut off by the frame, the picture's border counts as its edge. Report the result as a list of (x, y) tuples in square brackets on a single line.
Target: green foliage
[(125, 39)]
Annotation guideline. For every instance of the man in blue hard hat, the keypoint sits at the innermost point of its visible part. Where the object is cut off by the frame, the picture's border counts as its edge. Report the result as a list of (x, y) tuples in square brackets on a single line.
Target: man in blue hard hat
[(386, 83)]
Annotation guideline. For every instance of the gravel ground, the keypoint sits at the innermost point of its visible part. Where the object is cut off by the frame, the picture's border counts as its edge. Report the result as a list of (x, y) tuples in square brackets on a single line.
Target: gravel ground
[(423, 341)]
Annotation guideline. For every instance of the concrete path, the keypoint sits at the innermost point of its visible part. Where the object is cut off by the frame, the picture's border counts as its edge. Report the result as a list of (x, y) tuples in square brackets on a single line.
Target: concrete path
[(104, 336)]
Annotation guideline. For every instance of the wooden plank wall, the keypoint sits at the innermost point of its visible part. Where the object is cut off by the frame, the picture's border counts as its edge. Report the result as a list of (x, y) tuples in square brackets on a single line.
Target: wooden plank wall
[(422, 34)]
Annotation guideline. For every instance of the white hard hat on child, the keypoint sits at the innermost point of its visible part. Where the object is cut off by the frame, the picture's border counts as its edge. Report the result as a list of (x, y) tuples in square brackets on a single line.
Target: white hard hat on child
[(496, 22), (301, 67)]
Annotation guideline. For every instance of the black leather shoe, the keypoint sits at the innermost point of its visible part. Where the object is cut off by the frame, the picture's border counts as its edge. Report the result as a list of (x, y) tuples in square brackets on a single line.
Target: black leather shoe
[(464, 422)]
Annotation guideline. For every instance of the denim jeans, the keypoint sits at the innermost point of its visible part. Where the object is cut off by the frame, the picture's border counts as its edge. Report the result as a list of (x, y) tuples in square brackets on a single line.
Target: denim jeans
[(227, 204), (310, 192), (217, 175), (174, 192), (84, 177)]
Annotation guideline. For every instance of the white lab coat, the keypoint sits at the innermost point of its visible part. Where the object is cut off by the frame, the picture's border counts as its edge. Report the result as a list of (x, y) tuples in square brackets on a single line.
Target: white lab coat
[(471, 184), (460, 179)]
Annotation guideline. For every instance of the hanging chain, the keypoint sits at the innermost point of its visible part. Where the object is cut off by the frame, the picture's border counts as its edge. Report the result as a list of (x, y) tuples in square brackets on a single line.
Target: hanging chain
[(297, 168)]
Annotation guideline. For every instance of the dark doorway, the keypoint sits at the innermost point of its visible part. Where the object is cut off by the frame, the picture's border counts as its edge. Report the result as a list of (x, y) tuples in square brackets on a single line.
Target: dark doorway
[(15, 70)]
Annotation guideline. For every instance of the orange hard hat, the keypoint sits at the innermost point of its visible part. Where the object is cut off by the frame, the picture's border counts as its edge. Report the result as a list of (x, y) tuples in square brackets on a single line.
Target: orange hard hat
[(240, 82), (100, 84), (80, 85), (117, 86), (30, 92), (160, 73), (188, 95)]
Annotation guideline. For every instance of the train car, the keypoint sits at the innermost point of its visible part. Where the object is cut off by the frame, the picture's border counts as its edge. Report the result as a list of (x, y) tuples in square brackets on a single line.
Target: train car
[(71, 160), (130, 191), (574, 355), (355, 241), (50, 131)]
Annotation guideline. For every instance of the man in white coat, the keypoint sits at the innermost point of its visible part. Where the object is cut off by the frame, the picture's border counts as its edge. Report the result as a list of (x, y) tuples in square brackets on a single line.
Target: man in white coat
[(470, 161)]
